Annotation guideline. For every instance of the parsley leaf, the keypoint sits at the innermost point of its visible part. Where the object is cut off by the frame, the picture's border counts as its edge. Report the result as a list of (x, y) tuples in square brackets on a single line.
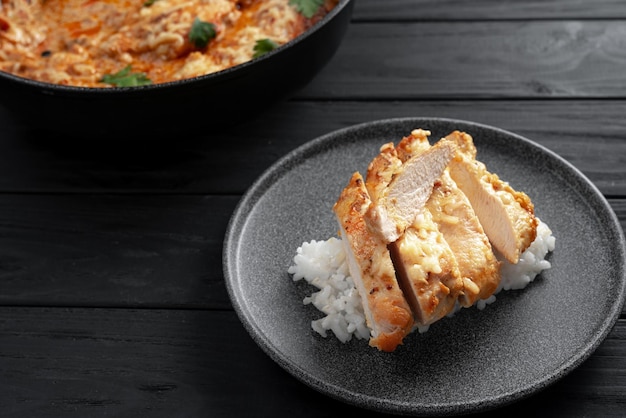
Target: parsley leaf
[(307, 8), (124, 78), (149, 3), (201, 33), (263, 46)]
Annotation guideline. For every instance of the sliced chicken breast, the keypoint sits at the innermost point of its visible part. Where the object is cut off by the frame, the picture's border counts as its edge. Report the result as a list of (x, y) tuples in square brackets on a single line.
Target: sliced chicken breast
[(421, 229), (387, 312), (381, 170), (425, 266), (427, 270), (460, 227), (398, 202), (506, 215), (457, 221)]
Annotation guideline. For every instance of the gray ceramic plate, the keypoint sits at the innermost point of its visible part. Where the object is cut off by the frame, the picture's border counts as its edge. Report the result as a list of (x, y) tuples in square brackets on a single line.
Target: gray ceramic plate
[(474, 361)]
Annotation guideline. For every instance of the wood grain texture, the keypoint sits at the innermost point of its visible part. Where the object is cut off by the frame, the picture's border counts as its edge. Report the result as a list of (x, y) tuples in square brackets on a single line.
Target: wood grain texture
[(113, 250), (95, 362), (587, 133), (510, 59), (157, 252), (418, 10)]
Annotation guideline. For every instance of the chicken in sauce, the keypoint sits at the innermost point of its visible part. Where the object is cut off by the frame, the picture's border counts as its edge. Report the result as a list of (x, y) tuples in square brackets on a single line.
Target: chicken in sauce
[(105, 43)]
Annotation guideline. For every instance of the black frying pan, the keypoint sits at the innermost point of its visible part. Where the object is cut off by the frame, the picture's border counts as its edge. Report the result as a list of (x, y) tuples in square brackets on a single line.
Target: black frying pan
[(217, 100)]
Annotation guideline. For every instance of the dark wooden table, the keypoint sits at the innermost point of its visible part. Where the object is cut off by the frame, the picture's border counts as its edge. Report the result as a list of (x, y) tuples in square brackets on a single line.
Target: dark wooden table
[(112, 295)]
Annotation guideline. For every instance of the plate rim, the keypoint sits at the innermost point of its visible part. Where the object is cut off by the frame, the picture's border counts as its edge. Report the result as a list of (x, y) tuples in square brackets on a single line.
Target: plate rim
[(291, 159)]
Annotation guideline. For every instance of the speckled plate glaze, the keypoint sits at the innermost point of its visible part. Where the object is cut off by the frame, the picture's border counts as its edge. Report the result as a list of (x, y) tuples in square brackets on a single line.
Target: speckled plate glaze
[(475, 361)]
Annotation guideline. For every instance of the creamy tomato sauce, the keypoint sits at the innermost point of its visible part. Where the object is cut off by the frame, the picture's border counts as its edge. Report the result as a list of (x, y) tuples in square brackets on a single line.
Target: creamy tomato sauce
[(80, 42)]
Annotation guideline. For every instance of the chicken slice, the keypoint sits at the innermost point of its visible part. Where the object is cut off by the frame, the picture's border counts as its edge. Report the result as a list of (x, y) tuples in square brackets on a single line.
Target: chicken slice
[(452, 212), (387, 312), (381, 170), (506, 215), (425, 266), (400, 198), (457, 221), (427, 270)]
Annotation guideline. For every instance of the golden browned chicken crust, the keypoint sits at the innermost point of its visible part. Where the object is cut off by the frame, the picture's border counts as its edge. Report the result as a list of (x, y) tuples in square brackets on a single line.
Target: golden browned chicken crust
[(457, 222), (402, 190), (506, 215), (387, 312), (413, 259), (425, 265)]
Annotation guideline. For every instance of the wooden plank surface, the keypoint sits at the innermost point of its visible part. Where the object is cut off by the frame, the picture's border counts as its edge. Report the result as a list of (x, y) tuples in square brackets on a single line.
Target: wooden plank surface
[(581, 131), (500, 59), (419, 10), (95, 362), (157, 251), (113, 250)]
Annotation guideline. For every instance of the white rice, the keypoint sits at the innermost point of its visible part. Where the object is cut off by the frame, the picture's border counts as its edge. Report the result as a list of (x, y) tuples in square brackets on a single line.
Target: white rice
[(323, 264)]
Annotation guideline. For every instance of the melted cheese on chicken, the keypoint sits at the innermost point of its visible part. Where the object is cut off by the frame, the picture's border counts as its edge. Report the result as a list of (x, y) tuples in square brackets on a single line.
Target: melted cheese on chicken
[(457, 222), (444, 256), (425, 265)]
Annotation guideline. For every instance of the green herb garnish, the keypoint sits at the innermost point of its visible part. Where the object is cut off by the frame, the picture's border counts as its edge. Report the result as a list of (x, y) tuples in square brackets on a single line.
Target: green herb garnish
[(124, 78), (307, 8), (149, 3), (201, 33), (263, 46)]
